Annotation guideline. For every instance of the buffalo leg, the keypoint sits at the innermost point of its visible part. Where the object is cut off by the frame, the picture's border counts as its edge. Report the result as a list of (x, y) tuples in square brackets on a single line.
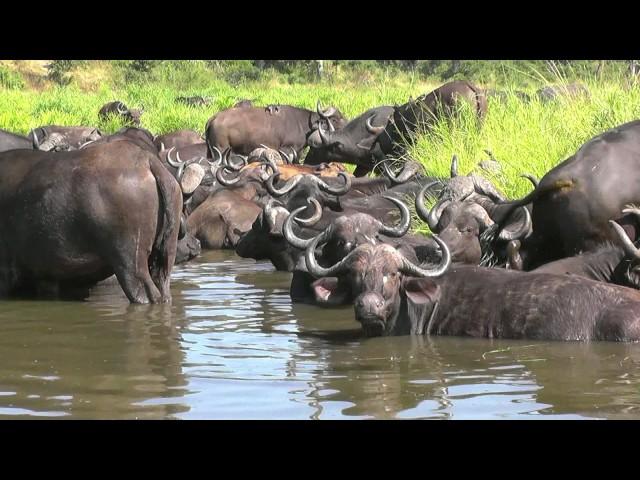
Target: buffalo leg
[(134, 277), (138, 287)]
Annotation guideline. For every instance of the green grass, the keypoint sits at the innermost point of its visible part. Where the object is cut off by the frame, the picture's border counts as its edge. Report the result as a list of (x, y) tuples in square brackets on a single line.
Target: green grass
[(525, 137)]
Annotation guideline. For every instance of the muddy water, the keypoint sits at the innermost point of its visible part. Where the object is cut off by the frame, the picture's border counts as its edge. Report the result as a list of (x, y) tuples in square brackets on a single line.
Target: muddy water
[(233, 346)]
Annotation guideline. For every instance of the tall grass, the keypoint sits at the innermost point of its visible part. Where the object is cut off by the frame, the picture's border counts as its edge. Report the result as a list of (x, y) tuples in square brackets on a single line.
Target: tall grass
[(525, 137)]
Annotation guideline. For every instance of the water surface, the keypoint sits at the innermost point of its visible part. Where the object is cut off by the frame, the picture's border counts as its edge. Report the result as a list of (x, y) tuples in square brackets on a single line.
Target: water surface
[(232, 346)]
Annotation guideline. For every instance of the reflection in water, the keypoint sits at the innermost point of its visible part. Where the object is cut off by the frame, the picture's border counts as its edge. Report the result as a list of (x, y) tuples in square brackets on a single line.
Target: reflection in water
[(233, 346)]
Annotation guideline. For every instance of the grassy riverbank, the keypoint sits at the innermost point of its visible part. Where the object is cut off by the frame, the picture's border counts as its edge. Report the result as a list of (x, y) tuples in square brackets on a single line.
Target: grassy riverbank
[(525, 137)]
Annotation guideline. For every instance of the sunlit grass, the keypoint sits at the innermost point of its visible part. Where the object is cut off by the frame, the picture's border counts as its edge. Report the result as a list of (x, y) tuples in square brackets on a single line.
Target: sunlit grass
[(525, 137)]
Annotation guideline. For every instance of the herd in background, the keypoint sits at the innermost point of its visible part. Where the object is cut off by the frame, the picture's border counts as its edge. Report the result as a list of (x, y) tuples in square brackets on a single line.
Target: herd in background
[(77, 206)]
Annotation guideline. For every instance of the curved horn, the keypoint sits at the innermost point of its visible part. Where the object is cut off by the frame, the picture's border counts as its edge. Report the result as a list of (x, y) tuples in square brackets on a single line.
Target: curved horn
[(122, 108), (286, 188), (294, 155), (317, 215), (373, 130), (421, 210), (522, 232), (172, 162), (218, 152), (412, 270), (312, 264), (223, 181), (265, 160), (408, 171), (323, 136), (287, 228), (454, 166), (226, 157), (334, 190), (181, 167), (405, 220), (627, 245), (531, 178), (434, 214), (285, 158), (36, 142)]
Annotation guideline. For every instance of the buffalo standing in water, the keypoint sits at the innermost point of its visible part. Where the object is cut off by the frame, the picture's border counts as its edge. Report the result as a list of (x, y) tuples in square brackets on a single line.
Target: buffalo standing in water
[(394, 296), (69, 220)]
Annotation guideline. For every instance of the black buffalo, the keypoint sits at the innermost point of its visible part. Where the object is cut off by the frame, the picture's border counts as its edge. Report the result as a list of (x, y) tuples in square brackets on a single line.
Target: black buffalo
[(369, 138), (553, 92), (247, 128), (610, 263), (130, 116), (13, 141), (75, 137), (463, 218), (574, 201), (71, 219), (393, 296), (177, 139)]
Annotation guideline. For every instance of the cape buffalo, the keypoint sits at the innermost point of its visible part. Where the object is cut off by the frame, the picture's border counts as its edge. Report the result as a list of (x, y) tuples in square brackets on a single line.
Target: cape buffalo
[(244, 129), (118, 108), (618, 264), (473, 301), (574, 201), (75, 137), (13, 141), (177, 139), (463, 218), (381, 131), (71, 219), (553, 92)]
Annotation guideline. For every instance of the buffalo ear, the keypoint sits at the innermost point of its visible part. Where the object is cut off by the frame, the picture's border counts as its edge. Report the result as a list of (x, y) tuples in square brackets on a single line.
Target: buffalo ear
[(329, 291), (422, 296)]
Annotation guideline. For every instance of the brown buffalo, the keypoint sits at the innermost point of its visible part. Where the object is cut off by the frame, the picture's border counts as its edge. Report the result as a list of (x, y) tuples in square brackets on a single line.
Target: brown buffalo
[(71, 219), (247, 128)]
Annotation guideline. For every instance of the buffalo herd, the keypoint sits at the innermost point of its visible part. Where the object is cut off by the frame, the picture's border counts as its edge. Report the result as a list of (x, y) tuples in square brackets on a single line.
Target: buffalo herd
[(269, 182)]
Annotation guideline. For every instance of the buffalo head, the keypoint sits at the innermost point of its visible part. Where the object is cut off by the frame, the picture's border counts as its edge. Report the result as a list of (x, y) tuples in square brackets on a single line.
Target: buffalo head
[(462, 218), (347, 231), (371, 275), (355, 143)]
